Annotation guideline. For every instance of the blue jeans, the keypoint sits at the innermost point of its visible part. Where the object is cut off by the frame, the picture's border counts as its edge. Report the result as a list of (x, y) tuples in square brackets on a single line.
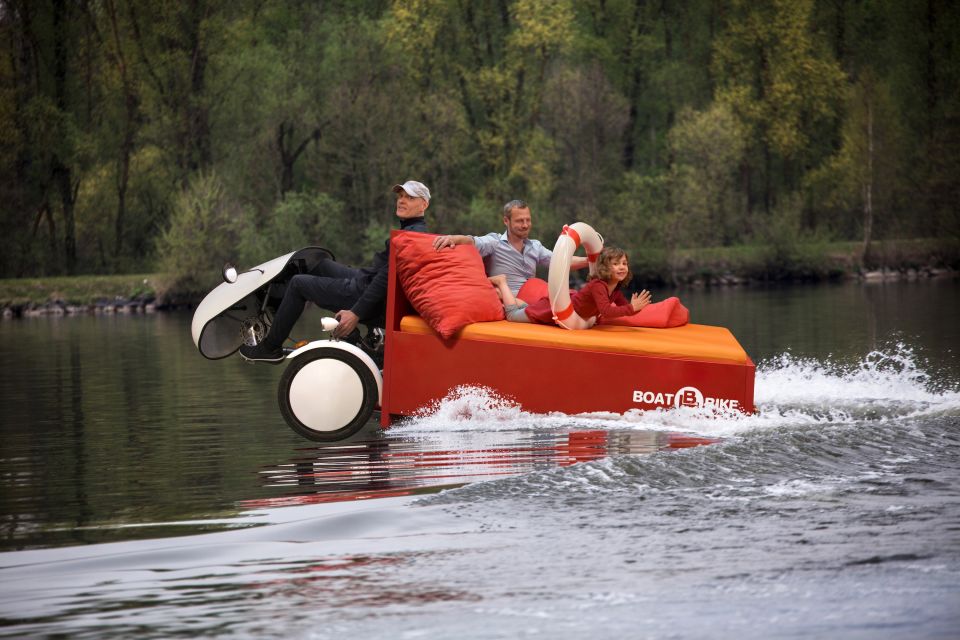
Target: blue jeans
[(515, 312)]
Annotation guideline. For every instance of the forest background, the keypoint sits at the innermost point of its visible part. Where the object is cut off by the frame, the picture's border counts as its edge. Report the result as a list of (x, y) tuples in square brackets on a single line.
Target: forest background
[(172, 135)]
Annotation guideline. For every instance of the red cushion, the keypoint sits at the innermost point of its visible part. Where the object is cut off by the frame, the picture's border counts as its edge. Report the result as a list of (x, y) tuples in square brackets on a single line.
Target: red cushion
[(659, 315), (449, 288), (533, 289)]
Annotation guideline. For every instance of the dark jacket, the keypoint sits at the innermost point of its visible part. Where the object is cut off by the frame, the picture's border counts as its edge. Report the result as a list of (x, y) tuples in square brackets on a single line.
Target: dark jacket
[(373, 300)]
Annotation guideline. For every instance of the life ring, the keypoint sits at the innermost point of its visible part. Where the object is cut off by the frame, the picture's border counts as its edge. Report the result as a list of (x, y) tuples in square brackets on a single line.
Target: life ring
[(558, 282)]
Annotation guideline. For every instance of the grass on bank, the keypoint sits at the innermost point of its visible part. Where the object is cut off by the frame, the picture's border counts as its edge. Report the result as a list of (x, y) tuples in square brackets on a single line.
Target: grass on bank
[(757, 263), (810, 261), (77, 290)]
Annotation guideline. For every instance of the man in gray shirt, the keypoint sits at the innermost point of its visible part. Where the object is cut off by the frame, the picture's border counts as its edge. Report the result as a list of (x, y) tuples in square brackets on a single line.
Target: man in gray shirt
[(511, 253)]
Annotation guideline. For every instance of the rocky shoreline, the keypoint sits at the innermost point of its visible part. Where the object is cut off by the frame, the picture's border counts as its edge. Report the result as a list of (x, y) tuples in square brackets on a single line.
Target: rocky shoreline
[(103, 307), (150, 304), (879, 275)]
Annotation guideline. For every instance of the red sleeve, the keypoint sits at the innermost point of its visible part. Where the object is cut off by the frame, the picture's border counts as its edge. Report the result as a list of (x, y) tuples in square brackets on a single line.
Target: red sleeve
[(609, 306)]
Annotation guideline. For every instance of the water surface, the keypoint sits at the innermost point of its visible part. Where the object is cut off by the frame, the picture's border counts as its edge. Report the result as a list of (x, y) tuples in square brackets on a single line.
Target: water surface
[(148, 491)]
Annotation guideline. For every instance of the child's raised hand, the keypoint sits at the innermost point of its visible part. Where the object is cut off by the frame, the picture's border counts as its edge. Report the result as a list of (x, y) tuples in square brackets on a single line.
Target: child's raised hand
[(639, 300)]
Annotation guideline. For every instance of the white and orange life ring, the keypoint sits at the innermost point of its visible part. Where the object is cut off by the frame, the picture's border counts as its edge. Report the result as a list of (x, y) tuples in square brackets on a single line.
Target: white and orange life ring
[(558, 281)]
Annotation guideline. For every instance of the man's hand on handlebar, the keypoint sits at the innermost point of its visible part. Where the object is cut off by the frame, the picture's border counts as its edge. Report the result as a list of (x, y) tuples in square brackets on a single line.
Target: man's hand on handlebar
[(348, 322)]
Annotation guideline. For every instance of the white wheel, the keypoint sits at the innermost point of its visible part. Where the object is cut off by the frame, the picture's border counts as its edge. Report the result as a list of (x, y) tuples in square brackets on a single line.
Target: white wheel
[(327, 394)]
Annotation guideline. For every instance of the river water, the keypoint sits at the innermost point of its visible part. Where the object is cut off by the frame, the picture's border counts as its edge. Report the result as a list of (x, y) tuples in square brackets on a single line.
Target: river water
[(148, 492)]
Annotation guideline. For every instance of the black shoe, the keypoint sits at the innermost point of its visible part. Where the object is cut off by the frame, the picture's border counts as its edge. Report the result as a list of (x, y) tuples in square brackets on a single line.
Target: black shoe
[(353, 337), (262, 353)]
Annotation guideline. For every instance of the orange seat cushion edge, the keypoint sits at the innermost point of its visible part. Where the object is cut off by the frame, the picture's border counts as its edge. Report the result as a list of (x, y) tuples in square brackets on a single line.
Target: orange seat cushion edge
[(689, 342)]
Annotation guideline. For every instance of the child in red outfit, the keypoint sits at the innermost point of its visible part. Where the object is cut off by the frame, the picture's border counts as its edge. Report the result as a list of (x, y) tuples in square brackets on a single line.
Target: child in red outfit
[(601, 296)]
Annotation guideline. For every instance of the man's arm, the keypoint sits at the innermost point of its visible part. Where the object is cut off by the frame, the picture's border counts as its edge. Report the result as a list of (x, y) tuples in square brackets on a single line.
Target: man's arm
[(372, 298), (348, 322), (442, 242)]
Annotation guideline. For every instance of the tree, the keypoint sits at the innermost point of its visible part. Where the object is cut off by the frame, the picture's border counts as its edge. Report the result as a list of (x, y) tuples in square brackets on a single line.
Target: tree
[(708, 148), (626, 113), (117, 83), (206, 228), (863, 175), (694, 203), (499, 77), (180, 47), (585, 118), (50, 143), (780, 80)]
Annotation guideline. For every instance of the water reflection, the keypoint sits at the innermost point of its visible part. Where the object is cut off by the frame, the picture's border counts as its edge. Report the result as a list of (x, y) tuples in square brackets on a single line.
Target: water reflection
[(114, 427), (396, 466), (841, 321)]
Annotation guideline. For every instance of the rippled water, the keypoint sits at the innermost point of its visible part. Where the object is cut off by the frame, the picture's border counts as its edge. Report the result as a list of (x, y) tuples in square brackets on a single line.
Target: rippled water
[(146, 491)]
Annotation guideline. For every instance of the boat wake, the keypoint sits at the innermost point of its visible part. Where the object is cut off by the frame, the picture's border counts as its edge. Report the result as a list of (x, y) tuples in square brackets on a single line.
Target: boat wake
[(823, 430), (790, 392)]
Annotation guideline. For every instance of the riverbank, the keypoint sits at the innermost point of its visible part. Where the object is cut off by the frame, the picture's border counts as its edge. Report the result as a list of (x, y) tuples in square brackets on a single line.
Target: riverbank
[(747, 265), (80, 295), (705, 267)]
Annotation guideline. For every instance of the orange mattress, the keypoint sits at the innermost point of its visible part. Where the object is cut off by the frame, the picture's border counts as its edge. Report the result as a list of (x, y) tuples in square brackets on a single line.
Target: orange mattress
[(689, 342)]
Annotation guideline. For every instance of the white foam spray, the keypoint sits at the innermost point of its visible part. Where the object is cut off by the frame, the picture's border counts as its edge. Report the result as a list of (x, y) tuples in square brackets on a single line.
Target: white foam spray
[(789, 392)]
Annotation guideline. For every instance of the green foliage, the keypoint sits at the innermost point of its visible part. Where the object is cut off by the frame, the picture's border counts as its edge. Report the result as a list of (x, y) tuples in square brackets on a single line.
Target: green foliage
[(708, 148), (668, 126), (865, 168), (302, 220), (583, 115), (691, 205), (480, 216), (786, 249), (374, 237), (206, 228), (499, 77), (777, 80), (641, 215), (782, 83)]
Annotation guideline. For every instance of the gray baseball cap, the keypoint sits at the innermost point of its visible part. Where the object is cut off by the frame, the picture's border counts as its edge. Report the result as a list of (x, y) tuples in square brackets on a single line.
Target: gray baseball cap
[(413, 189)]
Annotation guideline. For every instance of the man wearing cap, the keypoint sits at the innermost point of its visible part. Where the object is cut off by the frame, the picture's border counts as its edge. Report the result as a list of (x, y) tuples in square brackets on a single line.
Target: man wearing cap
[(359, 294), (511, 253)]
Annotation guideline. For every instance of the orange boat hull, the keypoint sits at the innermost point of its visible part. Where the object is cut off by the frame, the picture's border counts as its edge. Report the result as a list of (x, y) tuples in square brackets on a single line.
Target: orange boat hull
[(548, 369)]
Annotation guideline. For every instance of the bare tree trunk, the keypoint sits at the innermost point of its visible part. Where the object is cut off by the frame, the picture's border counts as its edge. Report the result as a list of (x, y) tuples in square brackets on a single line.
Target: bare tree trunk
[(767, 180), (194, 148), (63, 177), (289, 155), (123, 181), (868, 185), (198, 122), (930, 74), (131, 108), (746, 185), (62, 174), (671, 239), (634, 92), (43, 214)]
